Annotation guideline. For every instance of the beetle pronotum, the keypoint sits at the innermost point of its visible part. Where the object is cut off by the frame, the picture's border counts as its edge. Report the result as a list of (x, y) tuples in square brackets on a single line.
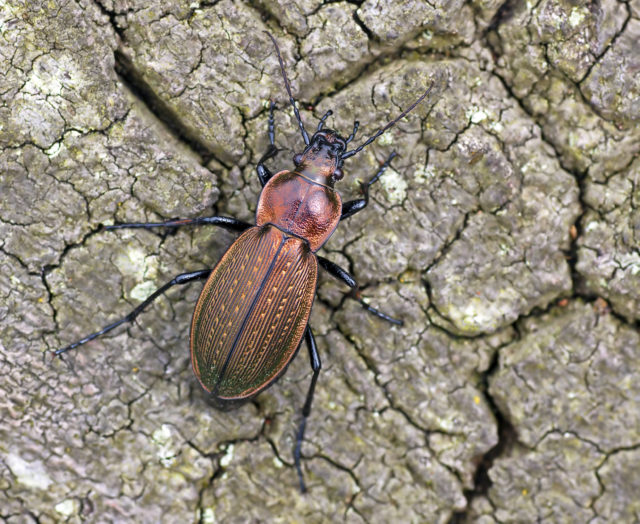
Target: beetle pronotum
[(254, 308)]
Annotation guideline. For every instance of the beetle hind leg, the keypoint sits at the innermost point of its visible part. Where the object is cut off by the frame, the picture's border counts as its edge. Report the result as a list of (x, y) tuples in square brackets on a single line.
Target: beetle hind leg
[(316, 365), (342, 275), (184, 278)]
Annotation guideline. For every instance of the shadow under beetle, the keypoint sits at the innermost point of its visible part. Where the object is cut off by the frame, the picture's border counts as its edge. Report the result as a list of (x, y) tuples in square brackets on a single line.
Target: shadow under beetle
[(254, 308)]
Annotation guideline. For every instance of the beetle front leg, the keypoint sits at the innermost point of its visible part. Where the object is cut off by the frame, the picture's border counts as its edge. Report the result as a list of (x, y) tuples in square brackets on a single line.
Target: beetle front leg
[(316, 365), (184, 278), (351, 207), (341, 274), (263, 172)]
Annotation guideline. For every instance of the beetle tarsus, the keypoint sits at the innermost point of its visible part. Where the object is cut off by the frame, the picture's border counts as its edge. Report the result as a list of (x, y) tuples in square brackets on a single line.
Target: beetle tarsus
[(297, 454), (383, 167), (271, 124), (316, 365), (264, 174), (356, 296), (343, 275), (351, 207)]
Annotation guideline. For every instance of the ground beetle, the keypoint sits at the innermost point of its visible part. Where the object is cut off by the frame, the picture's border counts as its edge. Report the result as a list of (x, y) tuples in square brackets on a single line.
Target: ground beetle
[(254, 308)]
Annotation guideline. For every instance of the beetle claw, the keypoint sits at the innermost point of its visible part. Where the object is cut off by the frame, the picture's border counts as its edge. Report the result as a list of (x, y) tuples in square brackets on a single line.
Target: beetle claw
[(355, 295)]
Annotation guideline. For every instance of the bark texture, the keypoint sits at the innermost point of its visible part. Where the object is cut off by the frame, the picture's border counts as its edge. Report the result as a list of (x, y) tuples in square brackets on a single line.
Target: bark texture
[(506, 235)]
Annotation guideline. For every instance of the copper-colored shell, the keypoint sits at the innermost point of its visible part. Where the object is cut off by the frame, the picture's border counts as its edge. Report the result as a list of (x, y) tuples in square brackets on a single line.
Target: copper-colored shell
[(302, 206), (252, 313)]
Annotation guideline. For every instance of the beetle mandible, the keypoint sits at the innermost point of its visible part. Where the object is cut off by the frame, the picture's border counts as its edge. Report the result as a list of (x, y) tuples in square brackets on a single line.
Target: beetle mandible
[(253, 311)]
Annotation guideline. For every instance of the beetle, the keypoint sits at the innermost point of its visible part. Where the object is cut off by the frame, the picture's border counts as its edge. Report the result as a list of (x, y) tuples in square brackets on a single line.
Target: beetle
[(254, 308)]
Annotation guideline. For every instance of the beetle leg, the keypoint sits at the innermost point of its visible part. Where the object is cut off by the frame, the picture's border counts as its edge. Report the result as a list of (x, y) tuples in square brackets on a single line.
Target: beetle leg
[(272, 126), (341, 274), (306, 410), (351, 207), (263, 172), (180, 279), (226, 222)]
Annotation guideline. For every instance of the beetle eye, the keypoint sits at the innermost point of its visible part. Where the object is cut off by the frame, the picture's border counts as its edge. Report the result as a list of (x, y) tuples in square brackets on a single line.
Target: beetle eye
[(297, 159), (337, 174)]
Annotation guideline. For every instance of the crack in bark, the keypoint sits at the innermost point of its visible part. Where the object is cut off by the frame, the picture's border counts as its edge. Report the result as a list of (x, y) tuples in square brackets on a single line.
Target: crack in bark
[(163, 112), (506, 432)]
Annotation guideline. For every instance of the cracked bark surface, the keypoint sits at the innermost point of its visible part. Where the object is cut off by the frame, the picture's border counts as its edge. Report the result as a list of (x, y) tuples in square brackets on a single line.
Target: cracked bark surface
[(505, 235)]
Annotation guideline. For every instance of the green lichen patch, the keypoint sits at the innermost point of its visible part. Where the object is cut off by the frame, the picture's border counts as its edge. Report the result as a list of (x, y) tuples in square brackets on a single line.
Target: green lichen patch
[(608, 258), (556, 481), (574, 370)]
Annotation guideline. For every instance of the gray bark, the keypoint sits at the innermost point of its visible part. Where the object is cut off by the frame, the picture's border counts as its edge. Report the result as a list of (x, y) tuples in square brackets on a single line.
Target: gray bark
[(506, 235)]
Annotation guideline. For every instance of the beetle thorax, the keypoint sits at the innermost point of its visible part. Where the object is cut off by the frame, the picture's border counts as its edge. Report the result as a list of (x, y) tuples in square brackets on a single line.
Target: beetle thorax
[(300, 205)]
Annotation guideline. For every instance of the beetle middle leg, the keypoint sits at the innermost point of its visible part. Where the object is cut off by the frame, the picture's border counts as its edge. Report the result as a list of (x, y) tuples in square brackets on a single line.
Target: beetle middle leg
[(264, 174), (351, 207), (225, 222), (343, 275), (316, 365), (184, 278)]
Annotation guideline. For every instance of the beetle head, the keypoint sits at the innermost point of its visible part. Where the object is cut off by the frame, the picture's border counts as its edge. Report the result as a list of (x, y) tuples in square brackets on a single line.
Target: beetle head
[(322, 158)]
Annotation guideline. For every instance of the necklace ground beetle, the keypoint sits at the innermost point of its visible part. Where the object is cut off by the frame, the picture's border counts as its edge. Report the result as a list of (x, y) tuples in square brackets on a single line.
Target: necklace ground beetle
[(254, 308)]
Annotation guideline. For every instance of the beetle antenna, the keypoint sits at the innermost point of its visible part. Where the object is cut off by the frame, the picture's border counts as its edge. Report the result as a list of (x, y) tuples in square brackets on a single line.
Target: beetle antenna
[(322, 120), (389, 125), (292, 101)]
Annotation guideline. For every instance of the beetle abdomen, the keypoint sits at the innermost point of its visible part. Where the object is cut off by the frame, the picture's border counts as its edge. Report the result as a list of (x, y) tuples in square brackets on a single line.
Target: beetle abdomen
[(252, 313)]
